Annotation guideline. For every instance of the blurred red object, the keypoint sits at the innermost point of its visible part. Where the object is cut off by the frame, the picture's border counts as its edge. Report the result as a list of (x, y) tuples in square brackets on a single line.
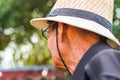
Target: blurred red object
[(31, 73)]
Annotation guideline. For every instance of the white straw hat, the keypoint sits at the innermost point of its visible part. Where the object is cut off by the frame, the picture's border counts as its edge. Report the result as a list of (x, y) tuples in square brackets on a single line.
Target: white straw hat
[(92, 15)]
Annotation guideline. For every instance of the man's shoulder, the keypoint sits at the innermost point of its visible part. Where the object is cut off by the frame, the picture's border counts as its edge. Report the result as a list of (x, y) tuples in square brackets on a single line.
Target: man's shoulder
[(107, 54), (104, 63)]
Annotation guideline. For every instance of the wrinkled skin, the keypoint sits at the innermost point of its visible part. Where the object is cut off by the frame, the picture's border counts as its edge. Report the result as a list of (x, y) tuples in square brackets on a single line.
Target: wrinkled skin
[(73, 43)]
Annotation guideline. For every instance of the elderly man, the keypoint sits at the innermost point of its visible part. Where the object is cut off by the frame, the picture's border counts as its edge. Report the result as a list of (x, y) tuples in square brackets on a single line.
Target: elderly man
[(80, 39)]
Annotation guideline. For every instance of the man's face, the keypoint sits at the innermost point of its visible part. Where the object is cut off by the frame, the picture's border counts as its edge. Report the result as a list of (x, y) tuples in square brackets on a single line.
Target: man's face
[(72, 44)]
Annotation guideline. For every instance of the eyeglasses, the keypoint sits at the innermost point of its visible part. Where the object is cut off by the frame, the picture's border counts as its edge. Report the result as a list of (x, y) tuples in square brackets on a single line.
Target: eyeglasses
[(45, 31)]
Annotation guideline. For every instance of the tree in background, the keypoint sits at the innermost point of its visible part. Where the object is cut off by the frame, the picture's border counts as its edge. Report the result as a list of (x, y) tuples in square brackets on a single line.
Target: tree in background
[(116, 19), (20, 43)]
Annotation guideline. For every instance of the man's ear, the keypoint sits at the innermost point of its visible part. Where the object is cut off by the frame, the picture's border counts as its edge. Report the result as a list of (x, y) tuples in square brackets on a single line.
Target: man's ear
[(62, 28)]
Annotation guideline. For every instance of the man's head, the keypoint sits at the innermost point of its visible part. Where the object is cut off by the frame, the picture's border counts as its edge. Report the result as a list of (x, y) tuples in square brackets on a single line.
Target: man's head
[(73, 43), (80, 25)]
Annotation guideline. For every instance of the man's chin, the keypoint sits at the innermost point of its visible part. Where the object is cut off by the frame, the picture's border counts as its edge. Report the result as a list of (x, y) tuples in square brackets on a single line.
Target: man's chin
[(60, 68)]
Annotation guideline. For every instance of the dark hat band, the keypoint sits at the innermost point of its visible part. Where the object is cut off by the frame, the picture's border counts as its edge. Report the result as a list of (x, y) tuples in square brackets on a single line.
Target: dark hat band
[(82, 14)]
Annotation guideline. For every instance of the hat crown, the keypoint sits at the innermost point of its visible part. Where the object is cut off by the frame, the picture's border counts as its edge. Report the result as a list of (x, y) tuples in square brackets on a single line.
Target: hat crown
[(103, 8)]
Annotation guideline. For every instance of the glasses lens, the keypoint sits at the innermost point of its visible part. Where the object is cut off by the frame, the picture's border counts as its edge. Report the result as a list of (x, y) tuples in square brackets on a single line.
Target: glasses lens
[(46, 34)]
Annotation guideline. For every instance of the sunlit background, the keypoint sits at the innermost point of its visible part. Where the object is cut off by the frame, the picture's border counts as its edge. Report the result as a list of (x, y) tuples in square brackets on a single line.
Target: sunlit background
[(20, 43)]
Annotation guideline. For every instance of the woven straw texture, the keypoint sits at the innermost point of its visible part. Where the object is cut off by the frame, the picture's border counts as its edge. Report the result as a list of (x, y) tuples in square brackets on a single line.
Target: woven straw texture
[(103, 8)]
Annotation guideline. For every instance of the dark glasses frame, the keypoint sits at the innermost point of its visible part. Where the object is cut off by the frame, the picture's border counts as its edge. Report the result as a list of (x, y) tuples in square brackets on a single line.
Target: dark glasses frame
[(45, 30)]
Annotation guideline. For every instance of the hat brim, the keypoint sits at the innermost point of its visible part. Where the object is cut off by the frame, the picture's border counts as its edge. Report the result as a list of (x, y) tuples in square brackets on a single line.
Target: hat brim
[(40, 23)]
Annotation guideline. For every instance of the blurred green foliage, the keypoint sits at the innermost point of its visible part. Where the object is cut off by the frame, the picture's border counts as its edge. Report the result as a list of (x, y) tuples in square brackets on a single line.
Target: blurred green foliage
[(18, 37), (22, 43), (116, 19)]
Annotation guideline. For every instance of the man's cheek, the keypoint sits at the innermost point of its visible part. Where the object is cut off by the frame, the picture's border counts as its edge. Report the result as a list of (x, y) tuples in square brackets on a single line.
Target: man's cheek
[(52, 48)]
